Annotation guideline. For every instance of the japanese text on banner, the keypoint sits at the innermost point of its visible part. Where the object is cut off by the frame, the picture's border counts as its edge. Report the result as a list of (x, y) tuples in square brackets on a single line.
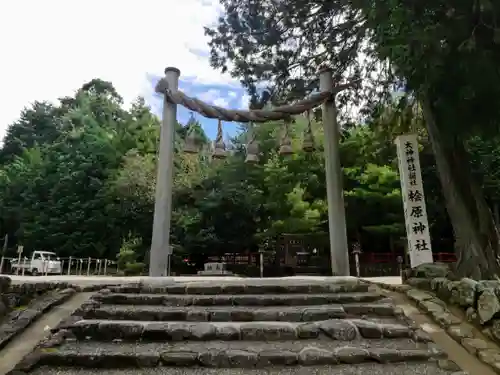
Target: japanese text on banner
[(417, 226)]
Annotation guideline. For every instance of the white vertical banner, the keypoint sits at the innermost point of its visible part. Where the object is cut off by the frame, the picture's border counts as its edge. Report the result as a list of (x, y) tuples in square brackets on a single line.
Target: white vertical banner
[(412, 191)]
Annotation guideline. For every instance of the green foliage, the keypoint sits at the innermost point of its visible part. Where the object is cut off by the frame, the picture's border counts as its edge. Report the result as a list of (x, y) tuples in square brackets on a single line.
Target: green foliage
[(71, 189), (127, 257), (89, 190), (436, 58), (304, 217), (376, 189), (37, 125)]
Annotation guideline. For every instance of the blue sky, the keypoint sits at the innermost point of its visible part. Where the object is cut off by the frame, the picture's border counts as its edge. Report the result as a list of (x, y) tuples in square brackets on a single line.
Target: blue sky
[(130, 47), (223, 95)]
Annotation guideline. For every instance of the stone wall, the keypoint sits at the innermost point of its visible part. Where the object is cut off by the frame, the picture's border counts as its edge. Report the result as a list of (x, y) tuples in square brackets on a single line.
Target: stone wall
[(22, 304), (14, 296), (4, 300), (479, 300)]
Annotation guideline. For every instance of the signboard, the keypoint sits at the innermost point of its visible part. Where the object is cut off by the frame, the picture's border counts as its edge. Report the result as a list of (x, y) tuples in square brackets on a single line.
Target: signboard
[(412, 191), (20, 249), (214, 267)]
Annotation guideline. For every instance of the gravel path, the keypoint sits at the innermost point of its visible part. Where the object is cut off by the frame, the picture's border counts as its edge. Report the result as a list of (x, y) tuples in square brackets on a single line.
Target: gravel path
[(254, 346), (365, 369)]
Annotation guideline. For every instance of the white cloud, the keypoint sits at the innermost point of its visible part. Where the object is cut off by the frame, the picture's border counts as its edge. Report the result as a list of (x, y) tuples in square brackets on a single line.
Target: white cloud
[(50, 48), (209, 95), (215, 97), (245, 99), (221, 102)]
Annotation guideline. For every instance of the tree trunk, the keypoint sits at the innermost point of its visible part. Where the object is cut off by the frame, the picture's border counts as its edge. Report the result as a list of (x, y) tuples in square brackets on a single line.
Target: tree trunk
[(477, 240), (496, 213)]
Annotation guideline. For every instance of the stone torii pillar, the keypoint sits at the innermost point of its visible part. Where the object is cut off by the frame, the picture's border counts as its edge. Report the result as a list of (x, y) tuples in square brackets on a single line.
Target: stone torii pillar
[(339, 250), (160, 242)]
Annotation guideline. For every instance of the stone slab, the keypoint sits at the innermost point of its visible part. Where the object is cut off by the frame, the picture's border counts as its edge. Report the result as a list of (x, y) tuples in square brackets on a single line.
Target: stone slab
[(237, 299), (228, 313), (212, 354), (336, 329), (255, 346), (247, 286)]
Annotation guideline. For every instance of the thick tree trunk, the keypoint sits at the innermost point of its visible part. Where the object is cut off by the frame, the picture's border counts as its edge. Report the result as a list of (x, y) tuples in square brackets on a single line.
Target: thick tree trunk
[(477, 240)]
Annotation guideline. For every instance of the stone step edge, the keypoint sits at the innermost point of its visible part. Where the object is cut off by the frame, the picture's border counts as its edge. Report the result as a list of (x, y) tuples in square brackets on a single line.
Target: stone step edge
[(241, 288), (222, 359), (15, 322), (236, 313), (106, 296), (428, 303), (335, 329)]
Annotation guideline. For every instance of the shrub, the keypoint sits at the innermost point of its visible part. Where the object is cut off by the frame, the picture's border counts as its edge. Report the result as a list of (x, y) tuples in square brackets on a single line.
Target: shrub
[(134, 269)]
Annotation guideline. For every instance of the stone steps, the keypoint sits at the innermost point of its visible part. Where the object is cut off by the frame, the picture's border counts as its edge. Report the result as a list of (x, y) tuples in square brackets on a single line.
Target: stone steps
[(245, 286), (236, 299), (239, 313), (222, 355), (279, 327), (336, 329)]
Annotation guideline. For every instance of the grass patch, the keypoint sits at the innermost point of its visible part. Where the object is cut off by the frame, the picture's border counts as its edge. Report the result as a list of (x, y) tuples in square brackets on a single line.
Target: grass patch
[(50, 350)]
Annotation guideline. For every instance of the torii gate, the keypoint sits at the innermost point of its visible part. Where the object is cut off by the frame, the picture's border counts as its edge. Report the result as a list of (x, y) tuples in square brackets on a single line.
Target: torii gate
[(169, 87)]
